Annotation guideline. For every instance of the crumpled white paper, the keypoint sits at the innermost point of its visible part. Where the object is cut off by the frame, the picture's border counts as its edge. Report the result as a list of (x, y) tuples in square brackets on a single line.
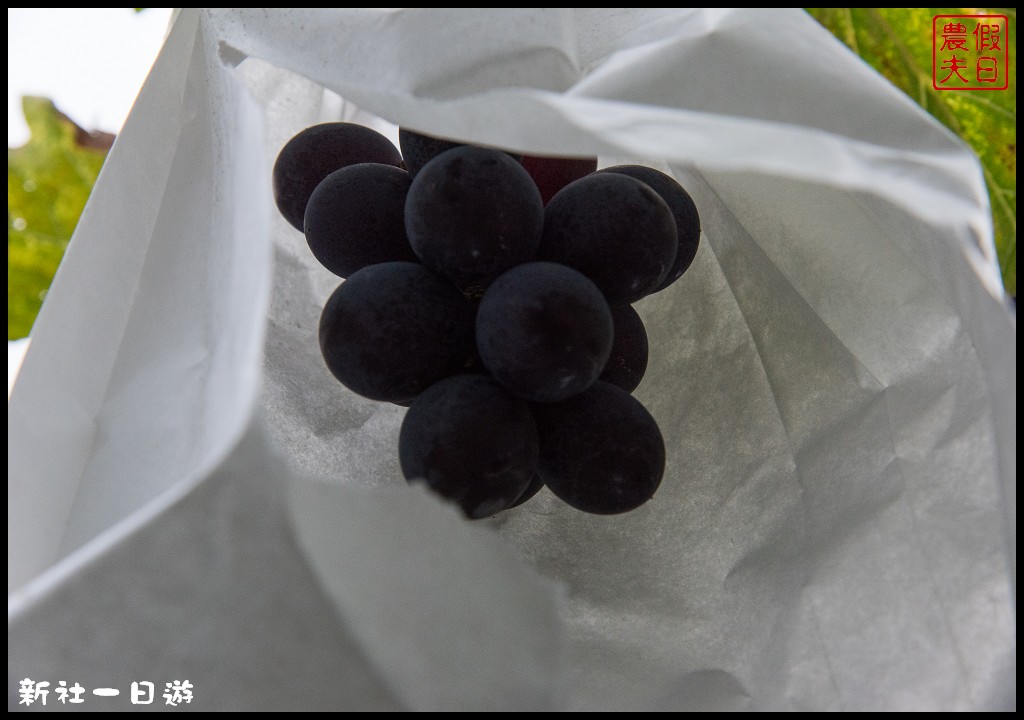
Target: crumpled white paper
[(192, 496)]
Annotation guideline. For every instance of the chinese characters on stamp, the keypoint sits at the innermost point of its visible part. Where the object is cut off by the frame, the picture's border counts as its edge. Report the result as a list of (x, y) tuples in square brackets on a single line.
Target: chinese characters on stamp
[(970, 52)]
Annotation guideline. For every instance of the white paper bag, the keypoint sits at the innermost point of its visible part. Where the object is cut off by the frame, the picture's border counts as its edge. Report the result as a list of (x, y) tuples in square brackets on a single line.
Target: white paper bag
[(192, 496)]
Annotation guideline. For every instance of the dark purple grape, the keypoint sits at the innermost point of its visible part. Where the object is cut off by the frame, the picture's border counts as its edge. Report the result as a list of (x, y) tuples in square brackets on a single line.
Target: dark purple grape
[(356, 217), (315, 153), (600, 451), (628, 360), (683, 210), (615, 230), (553, 173), (473, 213), (419, 149), (394, 329), (472, 442), (544, 331)]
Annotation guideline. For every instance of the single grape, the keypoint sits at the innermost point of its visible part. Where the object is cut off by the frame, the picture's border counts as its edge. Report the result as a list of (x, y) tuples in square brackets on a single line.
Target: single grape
[(615, 230), (553, 173), (472, 442), (683, 210), (544, 331), (628, 360), (600, 451), (356, 217), (393, 329), (473, 213), (315, 153)]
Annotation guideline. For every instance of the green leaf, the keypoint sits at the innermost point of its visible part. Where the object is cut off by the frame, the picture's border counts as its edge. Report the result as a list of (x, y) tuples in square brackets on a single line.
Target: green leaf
[(897, 42), (48, 181)]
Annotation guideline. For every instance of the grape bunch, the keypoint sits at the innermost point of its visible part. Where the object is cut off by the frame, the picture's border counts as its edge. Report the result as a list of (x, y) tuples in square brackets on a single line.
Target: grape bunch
[(490, 293)]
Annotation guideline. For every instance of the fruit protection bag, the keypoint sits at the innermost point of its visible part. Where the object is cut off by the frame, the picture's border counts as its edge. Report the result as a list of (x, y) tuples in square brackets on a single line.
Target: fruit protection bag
[(192, 496)]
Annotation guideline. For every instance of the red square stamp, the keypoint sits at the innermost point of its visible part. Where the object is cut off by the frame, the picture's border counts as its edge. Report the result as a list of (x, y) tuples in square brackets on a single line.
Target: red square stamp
[(970, 52)]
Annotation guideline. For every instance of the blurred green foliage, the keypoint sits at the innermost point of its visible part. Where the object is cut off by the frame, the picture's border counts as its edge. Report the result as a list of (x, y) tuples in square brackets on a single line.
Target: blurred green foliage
[(897, 42), (48, 181), (49, 178)]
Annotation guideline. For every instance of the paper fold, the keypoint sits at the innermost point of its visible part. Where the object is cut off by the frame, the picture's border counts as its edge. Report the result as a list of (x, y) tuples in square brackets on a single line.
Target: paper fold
[(834, 376)]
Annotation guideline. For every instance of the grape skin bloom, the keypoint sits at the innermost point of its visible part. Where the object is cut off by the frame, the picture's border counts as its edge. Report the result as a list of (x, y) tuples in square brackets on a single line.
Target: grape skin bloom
[(473, 213), (472, 442), (544, 331), (393, 329), (601, 451)]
